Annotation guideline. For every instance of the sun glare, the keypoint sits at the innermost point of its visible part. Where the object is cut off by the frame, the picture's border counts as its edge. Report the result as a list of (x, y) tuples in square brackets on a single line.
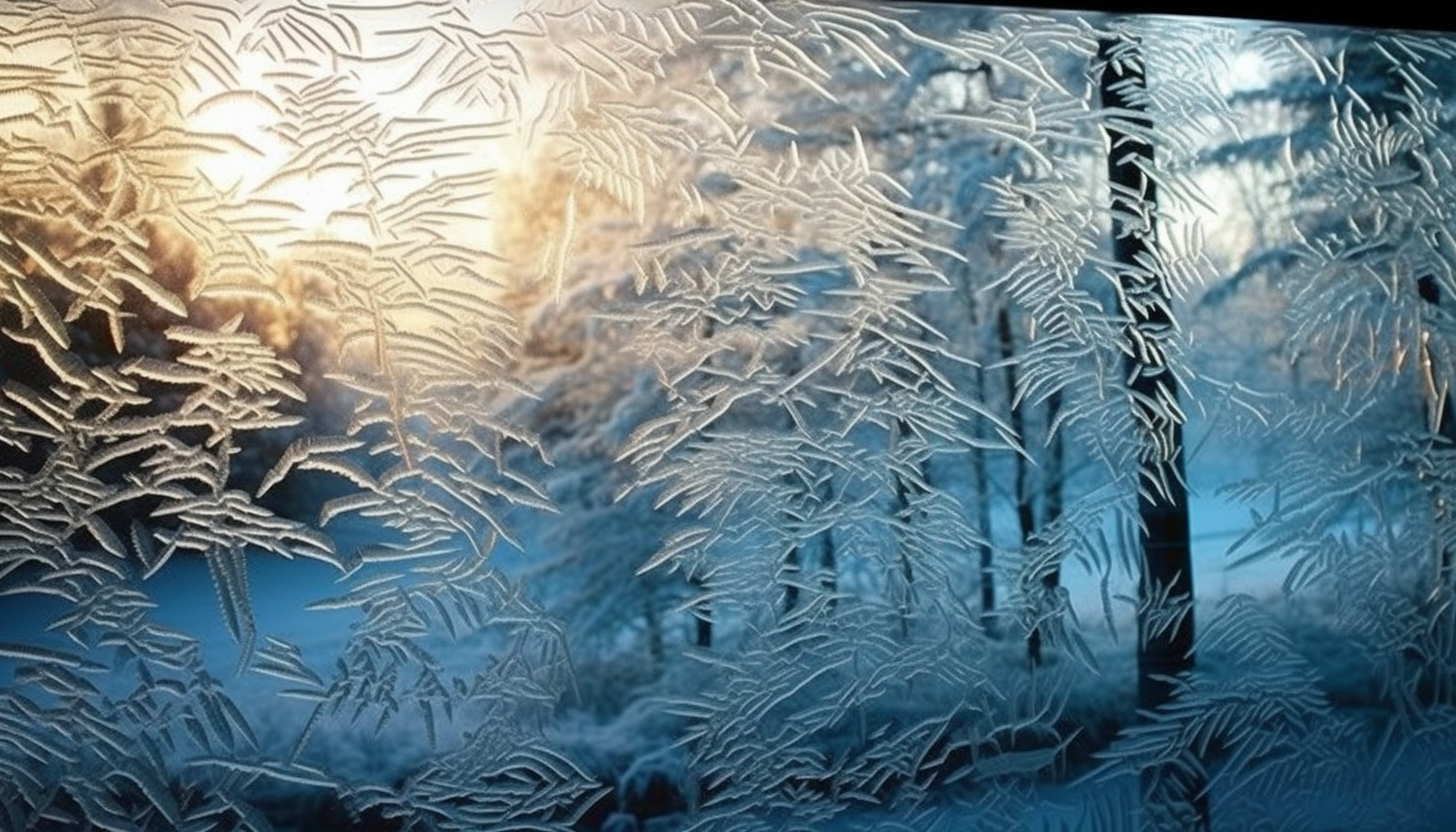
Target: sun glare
[(246, 114), (1248, 71), (392, 143)]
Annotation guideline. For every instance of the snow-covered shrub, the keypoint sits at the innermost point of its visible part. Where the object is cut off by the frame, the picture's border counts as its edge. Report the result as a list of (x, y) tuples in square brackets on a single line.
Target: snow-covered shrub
[(658, 784)]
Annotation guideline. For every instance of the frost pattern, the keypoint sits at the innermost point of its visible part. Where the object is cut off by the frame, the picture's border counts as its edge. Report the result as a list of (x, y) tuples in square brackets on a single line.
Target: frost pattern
[(713, 415)]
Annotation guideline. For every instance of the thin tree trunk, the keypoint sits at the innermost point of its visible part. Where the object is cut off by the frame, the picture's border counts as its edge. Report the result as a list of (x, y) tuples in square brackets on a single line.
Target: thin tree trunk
[(1445, 427), (654, 628), (702, 611), (905, 492), (828, 569), (1440, 685), (791, 571), (1025, 507), (1051, 579), (794, 559), (986, 564), (1025, 515), (1174, 795), (702, 615), (828, 565), (983, 518), (792, 568), (1056, 475)]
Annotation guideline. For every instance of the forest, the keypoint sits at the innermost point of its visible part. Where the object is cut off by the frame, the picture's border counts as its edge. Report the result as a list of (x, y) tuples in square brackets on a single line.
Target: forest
[(642, 416)]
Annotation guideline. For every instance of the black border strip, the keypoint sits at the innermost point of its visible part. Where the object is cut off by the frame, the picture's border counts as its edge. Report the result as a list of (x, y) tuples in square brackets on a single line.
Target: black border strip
[(1362, 14)]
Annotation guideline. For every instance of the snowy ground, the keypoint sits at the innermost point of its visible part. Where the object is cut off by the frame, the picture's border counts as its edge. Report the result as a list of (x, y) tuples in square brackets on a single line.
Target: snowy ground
[(1409, 777)]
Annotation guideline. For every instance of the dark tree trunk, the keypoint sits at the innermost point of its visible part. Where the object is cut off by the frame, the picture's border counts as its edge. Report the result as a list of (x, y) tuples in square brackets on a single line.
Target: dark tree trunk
[(791, 573), (654, 629), (827, 579), (1440, 682), (1025, 506), (792, 568), (983, 519), (987, 555), (1174, 796), (1445, 428), (828, 565), (702, 611), (703, 616), (1025, 515), (1051, 579), (1056, 475), (796, 558), (828, 569), (905, 493)]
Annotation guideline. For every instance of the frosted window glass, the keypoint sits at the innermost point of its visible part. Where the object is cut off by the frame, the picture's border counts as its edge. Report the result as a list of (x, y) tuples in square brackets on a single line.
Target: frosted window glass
[(722, 415)]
